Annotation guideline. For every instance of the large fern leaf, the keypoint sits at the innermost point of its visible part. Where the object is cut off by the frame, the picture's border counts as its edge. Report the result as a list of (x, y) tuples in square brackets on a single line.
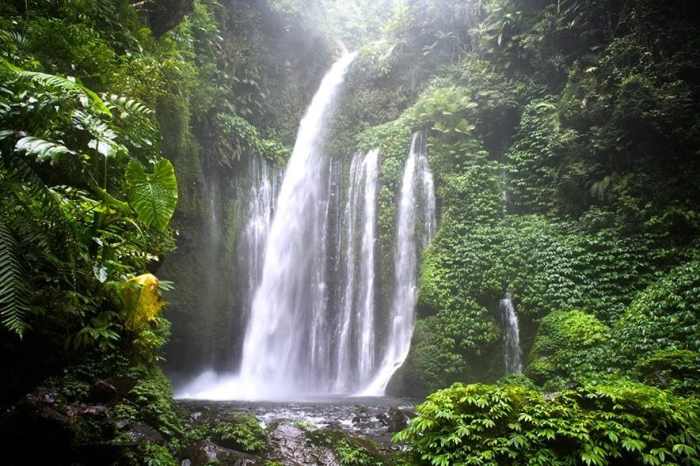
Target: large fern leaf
[(58, 83), (13, 291), (153, 195), (43, 150)]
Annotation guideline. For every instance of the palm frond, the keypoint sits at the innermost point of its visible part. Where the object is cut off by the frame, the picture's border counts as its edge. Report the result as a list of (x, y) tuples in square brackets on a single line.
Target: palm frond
[(13, 290), (59, 84)]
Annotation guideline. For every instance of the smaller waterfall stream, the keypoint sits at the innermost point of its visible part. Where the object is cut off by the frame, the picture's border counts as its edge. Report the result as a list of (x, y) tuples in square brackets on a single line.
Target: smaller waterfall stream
[(512, 352), (356, 333), (417, 202), (261, 195)]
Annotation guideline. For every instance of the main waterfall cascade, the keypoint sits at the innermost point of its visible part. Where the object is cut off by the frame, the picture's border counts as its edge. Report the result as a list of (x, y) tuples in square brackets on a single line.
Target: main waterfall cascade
[(512, 352), (308, 252)]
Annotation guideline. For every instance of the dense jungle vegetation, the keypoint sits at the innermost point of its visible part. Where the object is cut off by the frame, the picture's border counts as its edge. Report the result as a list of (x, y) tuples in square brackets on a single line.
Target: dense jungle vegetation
[(564, 136)]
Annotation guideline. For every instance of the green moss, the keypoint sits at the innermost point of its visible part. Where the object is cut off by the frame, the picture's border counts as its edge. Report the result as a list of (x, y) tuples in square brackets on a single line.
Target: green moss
[(242, 433)]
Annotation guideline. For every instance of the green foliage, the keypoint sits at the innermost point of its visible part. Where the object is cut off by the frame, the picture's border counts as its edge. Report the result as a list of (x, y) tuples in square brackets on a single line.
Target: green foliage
[(618, 422), (153, 195), (242, 433), (157, 455), (351, 455), (569, 346), (662, 317), (677, 370), (152, 399), (13, 290), (240, 138)]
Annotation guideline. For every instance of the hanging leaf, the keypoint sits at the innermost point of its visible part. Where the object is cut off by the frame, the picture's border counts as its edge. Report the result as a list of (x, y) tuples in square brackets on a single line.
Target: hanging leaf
[(13, 290), (43, 150), (153, 195)]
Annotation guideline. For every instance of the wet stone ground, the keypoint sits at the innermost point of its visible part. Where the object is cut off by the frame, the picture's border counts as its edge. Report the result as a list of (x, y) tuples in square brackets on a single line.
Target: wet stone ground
[(314, 432)]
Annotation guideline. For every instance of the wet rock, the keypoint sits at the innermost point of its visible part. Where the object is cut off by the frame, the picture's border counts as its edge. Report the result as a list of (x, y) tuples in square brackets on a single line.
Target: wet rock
[(103, 392), (41, 430), (291, 446), (140, 432), (397, 420), (207, 452)]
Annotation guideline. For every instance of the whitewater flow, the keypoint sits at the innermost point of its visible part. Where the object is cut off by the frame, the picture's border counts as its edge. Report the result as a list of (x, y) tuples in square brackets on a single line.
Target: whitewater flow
[(512, 353), (308, 264), (264, 180), (355, 352), (288, 338), (417, 202)]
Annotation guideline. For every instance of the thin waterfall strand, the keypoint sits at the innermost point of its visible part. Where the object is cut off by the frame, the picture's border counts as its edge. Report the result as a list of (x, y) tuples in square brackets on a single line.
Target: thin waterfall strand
[(512, 353), (416, 175)]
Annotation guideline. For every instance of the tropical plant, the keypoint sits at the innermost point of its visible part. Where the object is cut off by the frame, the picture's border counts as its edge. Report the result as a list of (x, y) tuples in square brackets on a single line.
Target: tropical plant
[(616, 422)]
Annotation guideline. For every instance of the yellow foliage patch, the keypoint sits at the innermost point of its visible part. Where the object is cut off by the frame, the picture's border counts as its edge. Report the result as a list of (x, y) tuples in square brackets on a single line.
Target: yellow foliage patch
[(142, 301)]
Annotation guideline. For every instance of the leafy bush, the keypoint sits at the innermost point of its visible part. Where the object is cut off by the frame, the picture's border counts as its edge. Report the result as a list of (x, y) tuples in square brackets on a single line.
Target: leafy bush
[(350, 455), (618, 422), (152, 398), (242, 433), (677, 370), (569, 346), (662, 317)]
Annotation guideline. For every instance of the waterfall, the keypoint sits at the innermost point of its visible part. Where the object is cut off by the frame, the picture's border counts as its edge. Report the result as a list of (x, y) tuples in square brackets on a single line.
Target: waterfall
[(417, 202), (308, 261), (261, 195), (512, 352), (367, 268), (355, 351), (287, 340)]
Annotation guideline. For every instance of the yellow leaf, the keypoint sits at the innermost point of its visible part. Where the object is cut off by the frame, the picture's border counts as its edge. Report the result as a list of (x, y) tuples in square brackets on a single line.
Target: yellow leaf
[(142, 301)]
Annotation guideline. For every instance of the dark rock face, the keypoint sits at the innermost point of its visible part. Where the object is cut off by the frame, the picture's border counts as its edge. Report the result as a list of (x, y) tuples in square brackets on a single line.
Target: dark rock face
[(164, 15), (103, 392), (291, 446), (41, 431)]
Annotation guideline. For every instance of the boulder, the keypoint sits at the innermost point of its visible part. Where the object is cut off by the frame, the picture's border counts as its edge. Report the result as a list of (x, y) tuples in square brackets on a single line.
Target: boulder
[(397, 420), (207, 452)]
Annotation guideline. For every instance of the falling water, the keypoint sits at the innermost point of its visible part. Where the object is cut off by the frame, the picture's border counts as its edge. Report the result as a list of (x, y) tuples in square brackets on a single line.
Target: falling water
[(417, 190), (512, 351), (367, 285), (308, 252), (349, 220), (261, 195), (355, 351), (286, 343)]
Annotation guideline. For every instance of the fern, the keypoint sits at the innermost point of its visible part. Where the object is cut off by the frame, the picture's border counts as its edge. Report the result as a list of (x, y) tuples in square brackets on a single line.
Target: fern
[(153, 195), (59, 84), (128, 105), (44, 150), (13, 291)]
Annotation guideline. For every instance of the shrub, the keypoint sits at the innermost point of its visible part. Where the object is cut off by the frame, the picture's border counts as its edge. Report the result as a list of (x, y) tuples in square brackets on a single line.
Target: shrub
[(569, 345), (618, 422), (664, 316), (242, 433)]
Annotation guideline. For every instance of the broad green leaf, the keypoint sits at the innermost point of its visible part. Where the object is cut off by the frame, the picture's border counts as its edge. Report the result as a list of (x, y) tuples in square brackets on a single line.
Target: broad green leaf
[(153, 195)]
